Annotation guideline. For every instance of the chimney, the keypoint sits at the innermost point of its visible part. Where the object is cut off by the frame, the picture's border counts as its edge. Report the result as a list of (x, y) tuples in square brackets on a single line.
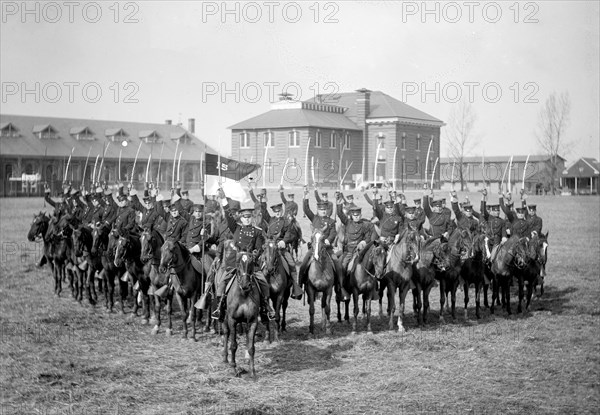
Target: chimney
[(168, 122), (363, 105), (192, 125)]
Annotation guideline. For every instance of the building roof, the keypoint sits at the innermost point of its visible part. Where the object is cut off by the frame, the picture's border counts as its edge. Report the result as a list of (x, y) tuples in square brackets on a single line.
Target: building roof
[(584, 167), (381, 106), (28, 144), (296, 117), (499, 159)]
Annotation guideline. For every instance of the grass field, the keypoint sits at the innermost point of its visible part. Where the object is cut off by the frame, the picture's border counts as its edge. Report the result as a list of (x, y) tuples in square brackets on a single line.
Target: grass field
[(59, 357)]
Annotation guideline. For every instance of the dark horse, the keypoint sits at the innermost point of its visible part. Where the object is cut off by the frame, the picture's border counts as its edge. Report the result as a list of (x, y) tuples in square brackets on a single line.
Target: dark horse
[(399, 274), (512, 258), (186, 280), (103, 246), (39, 229), (61, 252), (152, 241), (279, 279), (243, 303), (128, 252), (473, 272), (424, 270), (82, 245), (535, 270), (456, 252), (368, 270), (321, 278)]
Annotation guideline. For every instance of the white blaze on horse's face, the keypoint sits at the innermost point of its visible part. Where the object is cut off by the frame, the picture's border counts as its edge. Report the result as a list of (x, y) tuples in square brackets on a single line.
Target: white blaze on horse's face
[(317, 238)]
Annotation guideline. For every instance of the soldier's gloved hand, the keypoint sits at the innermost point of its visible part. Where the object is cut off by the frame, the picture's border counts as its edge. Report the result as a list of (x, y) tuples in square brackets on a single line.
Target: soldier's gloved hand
[(484, 192), (202, 232), (446, 235), (453, 194), (194, 249), (508, 231), (396, 238), (221, 193), (305, 191), (504, 239), (361, 245), (281, 245), (327, 242)]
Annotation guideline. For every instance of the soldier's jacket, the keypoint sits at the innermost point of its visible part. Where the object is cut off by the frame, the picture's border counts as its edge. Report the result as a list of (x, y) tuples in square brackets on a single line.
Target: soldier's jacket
[(535, 223), (439, 223), (355, 232), (420, 214), (280, 229), (414, 225), (60, 208), (187, 204), (211, 206), (325, 225), (110, 209), (471, 224), (390, 224), (329, 203), (291, 207), (175, 228), (495, 228), (95, 214), (245, 238), (518, 227), (149, 216), (452, 224), (125, 219), (192, 235)]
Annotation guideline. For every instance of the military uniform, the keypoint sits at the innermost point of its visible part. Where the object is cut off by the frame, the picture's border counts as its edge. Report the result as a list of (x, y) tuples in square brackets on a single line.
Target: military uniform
[(390, 224), (291, 207), (329, 208), (495, 227), (192, 235), (534, 221), (356, 232), (149, 215), (186, 204), (518, 227), (468, 223), (439, 223)]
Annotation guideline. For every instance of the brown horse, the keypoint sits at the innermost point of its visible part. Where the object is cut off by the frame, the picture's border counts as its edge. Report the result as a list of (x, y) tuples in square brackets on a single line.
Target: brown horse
[(535, 270), (39, 229), (321, 278), (128, 252), (103, 246), (511, 258), (279, 279), (424, 270), (364, 281), (61, 252), (473, 272), (82, 245), (151, 243), (186, 281), (243, 304), (399, 274)]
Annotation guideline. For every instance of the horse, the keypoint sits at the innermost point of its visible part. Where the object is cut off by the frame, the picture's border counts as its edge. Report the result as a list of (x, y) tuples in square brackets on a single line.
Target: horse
[(279, 279), (61, 252), (456, 252), (103, 246), (128, 253), (473, 272), (321, 278), (151, 243), (535, 270), (399, 275), (506, 265), (38, 229), (542, 258), (186, 280), (243, 305), (424, 271), (82, 245), (369, 269)]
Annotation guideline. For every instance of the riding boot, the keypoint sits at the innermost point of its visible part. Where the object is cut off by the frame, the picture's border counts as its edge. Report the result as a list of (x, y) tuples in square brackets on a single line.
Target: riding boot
[(219, 313), (42, 261), (266, 307), (297, 291)]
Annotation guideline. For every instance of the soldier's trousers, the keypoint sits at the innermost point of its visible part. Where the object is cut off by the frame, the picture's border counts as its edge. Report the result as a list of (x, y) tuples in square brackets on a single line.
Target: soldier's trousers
[(224, 275)]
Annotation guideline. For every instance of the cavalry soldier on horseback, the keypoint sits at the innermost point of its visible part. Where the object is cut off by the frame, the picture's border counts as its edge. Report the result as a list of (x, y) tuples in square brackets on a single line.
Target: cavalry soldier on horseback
[(412, 222), (390, 222), (419, 212), (186, 203), (495, 226), (260, 200), (323, 223), (358, 232), (110, 207), (197, 231), (246, 238), (467, 218), (519, 226), (176, 224), (95, 208), (123, 219), (147, 209), (291, 207), (60, 208), (533, 220), (439, 223), (283, 233)]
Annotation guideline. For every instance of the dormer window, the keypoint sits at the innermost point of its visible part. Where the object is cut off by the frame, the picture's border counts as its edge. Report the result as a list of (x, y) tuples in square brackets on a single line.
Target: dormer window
[(150, 136), (82, 133), (184, 137), (116, 134), (9, 130), (45, 131)]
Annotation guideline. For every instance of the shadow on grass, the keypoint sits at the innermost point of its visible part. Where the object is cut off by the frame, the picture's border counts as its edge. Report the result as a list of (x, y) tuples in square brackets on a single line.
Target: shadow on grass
[(298, 356)]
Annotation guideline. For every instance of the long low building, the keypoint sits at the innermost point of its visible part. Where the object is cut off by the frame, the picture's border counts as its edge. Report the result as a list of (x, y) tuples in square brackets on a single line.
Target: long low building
[(35, 150), (492, 171)]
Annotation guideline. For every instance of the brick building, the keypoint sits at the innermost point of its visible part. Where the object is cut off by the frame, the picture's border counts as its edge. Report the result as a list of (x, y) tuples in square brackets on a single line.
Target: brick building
[(345, 131), (35, 149)]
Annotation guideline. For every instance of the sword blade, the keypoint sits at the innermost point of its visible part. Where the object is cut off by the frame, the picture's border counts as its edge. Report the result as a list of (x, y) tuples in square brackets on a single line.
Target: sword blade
[(306, 163), (179, 165), (433, 172), (135, 161), (287, 160), (524, 171), (427, 160)]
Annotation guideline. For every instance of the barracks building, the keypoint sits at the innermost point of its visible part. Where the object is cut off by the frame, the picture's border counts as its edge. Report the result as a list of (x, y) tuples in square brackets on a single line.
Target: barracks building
[(351, 136), (34, 150)]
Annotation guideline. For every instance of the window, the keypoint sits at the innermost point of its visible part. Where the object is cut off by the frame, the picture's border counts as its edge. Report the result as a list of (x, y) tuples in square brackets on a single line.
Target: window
[(269, 164), (8, 171), (294, 138), (403, 141), (9, 130), (417, 166), (347, 141), (332, 139), (418, 145), (244, 140), (318, 138), (269, 139), (381, 140)]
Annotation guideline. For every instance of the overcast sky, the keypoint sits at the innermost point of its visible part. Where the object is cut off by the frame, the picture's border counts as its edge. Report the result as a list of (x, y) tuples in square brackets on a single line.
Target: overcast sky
[(175, 60)]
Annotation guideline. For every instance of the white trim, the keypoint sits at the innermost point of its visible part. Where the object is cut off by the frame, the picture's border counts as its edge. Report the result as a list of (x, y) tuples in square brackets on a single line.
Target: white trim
[(592, 167), (402, 120)]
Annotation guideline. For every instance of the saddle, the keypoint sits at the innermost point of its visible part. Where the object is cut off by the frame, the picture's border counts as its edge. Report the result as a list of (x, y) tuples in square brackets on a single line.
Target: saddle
[(197, 264)]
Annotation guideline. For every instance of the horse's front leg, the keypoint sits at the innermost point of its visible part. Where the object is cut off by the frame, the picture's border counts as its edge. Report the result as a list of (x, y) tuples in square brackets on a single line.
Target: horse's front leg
[(391, 304), (184, 314), (250, 346), (233, 344), (89, 284), (521, 282), (225, 342), (417, 304), (369, 329), (402, 291), (355, 302), (478, 299), (426, 305), (442, 296), (453, 297), (466, 292), (326, 310)]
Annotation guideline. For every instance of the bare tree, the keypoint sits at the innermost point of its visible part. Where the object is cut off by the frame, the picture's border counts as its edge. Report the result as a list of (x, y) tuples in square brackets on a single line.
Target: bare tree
[(460, 136), (553, 120)]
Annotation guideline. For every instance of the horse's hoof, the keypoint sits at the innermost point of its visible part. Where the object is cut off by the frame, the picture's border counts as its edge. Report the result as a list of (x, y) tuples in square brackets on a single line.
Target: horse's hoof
[(145, 322), (442, 320), (247, 355), (328, 332), (401, 329), (369, 333), (168, 332), (207, 329), (193, 339), (154, 331), (353, 333)]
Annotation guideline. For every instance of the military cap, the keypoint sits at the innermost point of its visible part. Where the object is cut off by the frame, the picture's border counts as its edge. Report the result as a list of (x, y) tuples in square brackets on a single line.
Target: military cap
[(185, 192), (324, 194), (350, 197), (467, 207), (417, 201), (173, 207), (532, 207), (355, 210), (277, 207), (247, 212), (388, 204), (148, 199), (122, 197), (493, 207), (166, 202), (436, 203), (392, 192), (291, 195), (322, 205), (520, 210), (350, 206), (234, 205), (263, 191), (197, 207), (410, 209), (404, 205), (443, 201)]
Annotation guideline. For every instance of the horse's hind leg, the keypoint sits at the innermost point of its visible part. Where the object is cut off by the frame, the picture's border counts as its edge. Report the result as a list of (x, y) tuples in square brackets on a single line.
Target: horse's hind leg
[(310, 293), (417, 304), (521, 294), (425, 293), (157, 307), (368, 315), (326, 310), (442, 297), (466, 294), (391, 305), (478, 300), (355, 302), (225, 342), (251, 348), (233, 345), (184, 314)]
